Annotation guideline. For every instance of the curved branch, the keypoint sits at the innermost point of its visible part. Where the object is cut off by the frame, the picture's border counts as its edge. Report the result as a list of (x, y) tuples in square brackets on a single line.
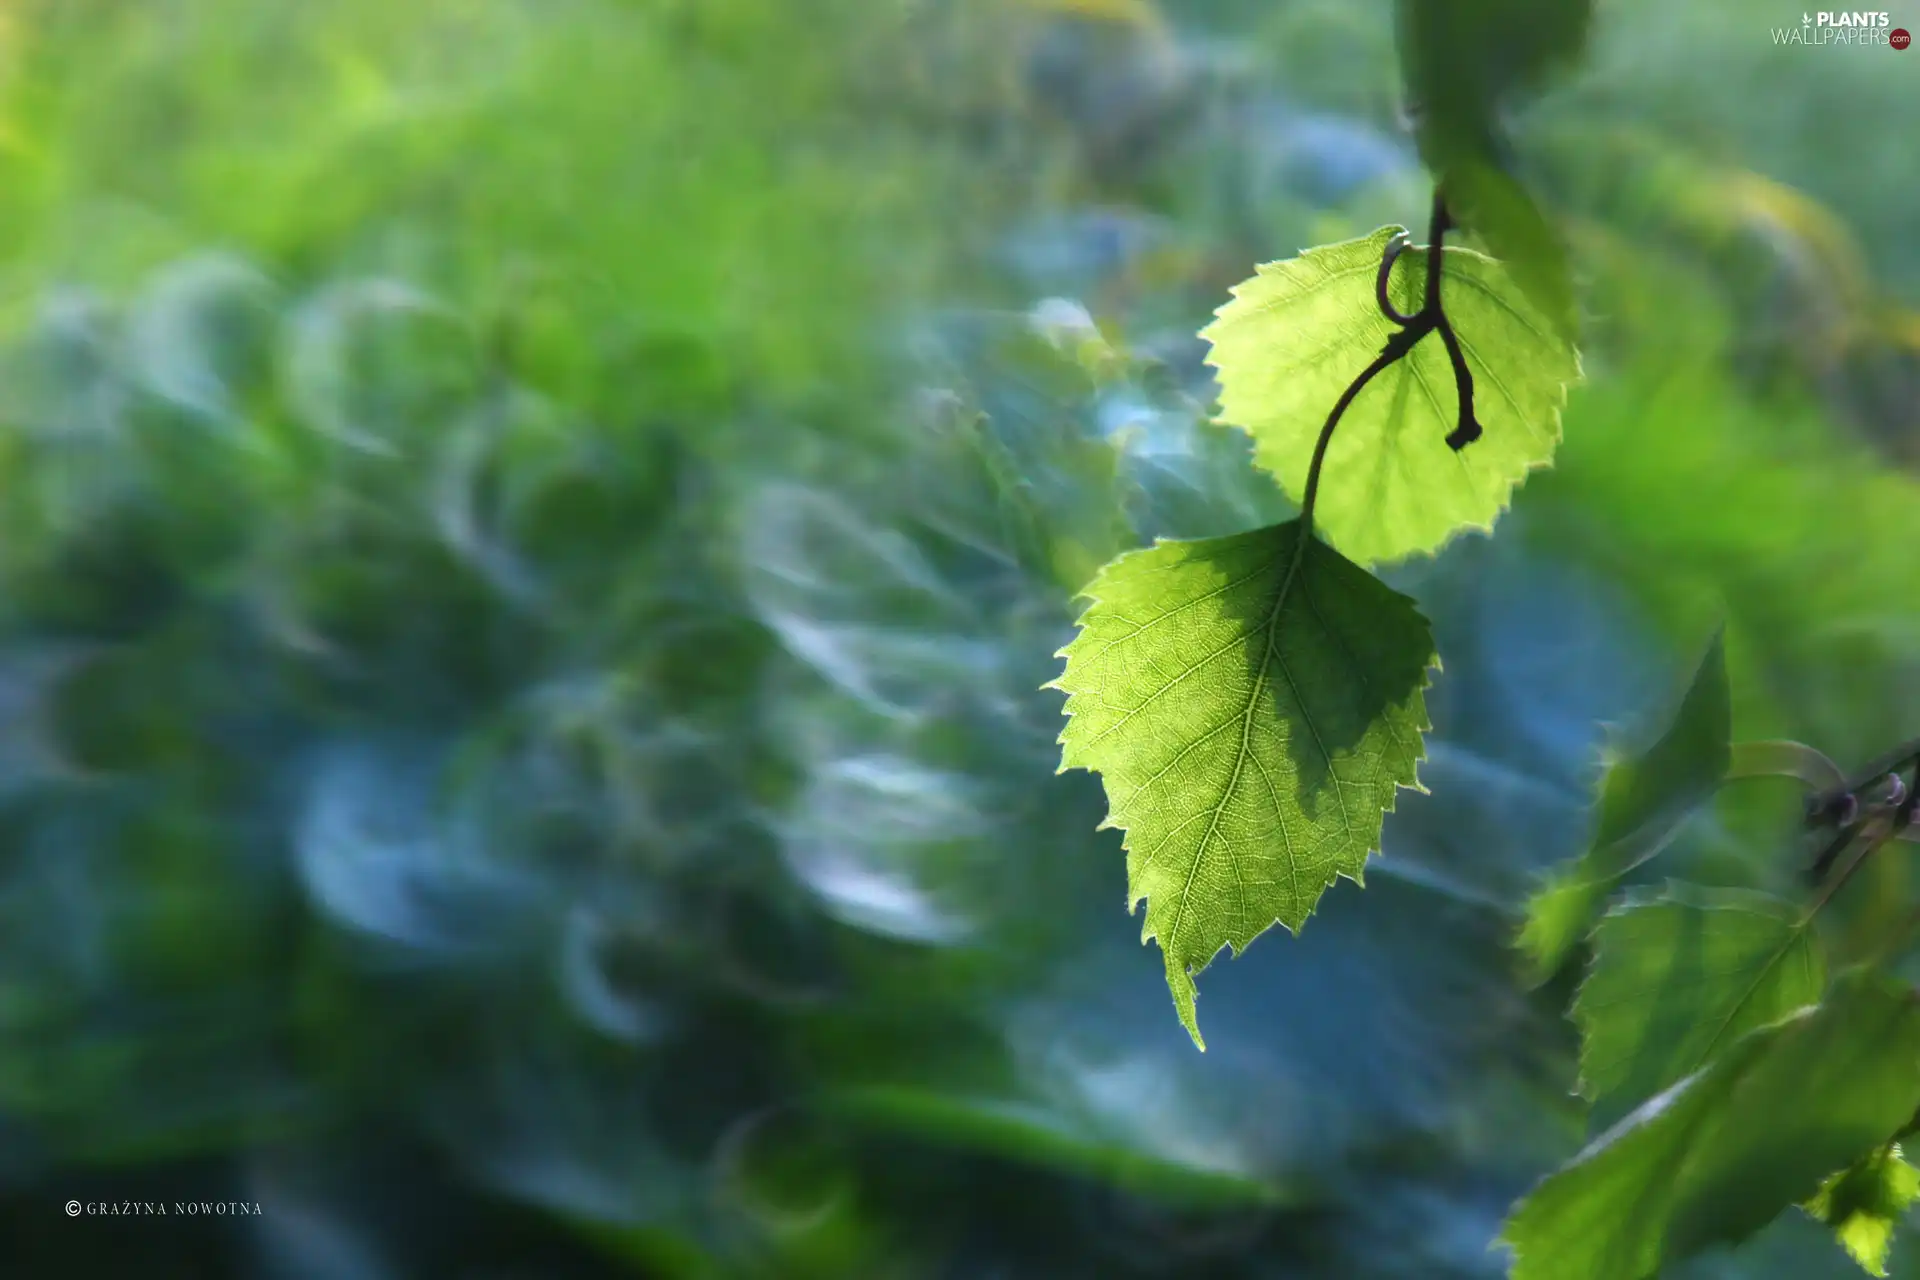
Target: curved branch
[(1397, 346), (1395, 247), (1430, 317)]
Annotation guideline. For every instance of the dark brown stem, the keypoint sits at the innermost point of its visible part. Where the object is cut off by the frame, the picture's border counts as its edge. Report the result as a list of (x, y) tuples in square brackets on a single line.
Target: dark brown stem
[(1429, 318), (1439, 222), (1823, 806), (1468, 429), (1395, 247), (1397, 346)]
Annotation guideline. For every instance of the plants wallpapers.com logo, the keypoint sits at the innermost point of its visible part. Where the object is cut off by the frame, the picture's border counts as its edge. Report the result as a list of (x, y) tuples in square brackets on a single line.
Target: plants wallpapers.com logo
[(1846, 20), (1858, 29)]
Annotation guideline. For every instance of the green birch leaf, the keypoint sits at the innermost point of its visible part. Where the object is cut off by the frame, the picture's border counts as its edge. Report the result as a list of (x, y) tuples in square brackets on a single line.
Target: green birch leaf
[(1644, 801), (1719, 1155), (1678, 977), (1291, 340), (1865, 1202), (1252, 704)]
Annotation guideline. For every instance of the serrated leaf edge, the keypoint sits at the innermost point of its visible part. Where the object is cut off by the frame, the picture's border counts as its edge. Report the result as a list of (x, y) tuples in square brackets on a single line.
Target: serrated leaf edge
[(1555, 427), (1425, 726)]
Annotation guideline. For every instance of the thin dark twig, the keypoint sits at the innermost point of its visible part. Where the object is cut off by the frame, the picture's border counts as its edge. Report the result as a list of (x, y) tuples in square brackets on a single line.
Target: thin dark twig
[(1396, 347), (1429, 318), (1875, 829), (1828, 855), (1823, 805), (1893, 761), (1439, 222), (1468, 428), (1877, 833), (1840, 805), (1395, 247), (1896, 940)]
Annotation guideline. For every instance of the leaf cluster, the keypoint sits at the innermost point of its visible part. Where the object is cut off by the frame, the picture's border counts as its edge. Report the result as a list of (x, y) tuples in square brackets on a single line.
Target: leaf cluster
[(1732, 1074), (1253, 704)]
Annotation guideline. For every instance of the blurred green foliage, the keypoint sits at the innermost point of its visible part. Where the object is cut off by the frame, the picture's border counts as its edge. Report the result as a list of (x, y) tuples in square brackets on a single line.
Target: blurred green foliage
[(530, 538)]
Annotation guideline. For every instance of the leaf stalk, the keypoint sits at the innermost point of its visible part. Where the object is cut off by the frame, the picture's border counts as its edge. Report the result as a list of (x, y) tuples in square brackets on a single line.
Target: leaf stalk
[(1430, 318)]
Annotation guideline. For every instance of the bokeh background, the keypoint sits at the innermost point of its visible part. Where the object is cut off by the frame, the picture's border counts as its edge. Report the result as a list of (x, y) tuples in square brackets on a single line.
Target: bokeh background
[(531, 532)]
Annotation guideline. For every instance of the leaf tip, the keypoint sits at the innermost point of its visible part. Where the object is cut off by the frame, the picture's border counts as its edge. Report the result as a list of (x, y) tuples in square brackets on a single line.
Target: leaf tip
[(1185, 996)]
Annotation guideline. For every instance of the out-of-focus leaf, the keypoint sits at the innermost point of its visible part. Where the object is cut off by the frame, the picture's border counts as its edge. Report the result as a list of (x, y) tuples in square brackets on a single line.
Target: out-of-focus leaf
[(1252, 704), (1680, 976), (863, 604), (1463, 61), (1713, 1159), (1865, 1202), (1644, 800), (373, 363), (1498, 209), (198, 336), (1043, 1135), (1296, 335)]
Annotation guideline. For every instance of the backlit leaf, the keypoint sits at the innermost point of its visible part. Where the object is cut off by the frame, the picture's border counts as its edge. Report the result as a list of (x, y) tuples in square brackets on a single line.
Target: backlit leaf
[(1252, 703), (1716, 1157), (1296, 335), (1864, 1203)]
